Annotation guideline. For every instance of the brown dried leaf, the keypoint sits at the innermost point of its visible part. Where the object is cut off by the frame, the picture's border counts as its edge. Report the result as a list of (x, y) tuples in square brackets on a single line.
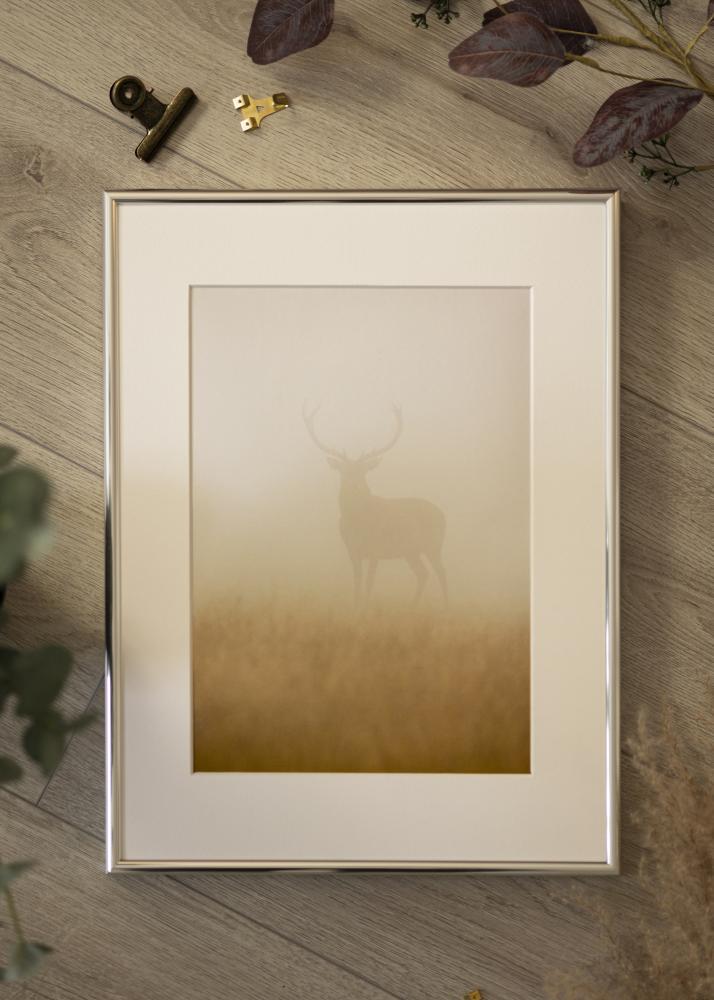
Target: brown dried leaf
[(631, 116), (516, 48), (556, 14), (282, 27)]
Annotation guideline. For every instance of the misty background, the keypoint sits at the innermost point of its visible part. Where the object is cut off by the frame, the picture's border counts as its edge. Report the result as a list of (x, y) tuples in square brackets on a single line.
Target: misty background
[(265, 502)]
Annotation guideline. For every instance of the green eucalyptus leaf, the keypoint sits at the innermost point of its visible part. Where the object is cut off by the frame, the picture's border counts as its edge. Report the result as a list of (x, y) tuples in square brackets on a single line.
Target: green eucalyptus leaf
[(9, 770), (7, 673), (8, 655), (23, 500), (81, 722), (11, 871), (44, 740), (25, 961), (39, 677), (24, 492), (6, 454)]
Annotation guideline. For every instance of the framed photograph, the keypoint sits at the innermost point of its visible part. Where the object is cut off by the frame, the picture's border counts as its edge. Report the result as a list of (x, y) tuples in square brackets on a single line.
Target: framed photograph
[(362, 530)]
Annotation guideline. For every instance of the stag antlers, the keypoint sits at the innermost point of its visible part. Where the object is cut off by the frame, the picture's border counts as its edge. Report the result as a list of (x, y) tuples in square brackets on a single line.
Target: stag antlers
[(309, 418)]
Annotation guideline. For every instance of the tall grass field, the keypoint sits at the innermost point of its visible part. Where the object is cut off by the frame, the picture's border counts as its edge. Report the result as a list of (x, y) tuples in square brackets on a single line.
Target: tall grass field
[(288, 688)]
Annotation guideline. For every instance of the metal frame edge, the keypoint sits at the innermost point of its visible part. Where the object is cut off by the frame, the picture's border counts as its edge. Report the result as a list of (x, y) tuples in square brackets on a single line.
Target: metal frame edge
[(113, 859)]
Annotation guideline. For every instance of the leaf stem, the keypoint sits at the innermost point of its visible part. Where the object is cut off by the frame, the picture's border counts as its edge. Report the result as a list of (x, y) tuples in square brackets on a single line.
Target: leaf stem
[(622, 40), (656, 38), (14, 915), (664, 42), (700, 34), (669, 38), (671, 170), (701, 83), (586, 61)]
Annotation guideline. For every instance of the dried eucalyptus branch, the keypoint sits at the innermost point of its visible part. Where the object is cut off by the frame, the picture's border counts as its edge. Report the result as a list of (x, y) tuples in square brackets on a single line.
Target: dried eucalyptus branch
[(523, 42), (654, 7), (594, 64), (623, 40), (671, 170), (443, 10)]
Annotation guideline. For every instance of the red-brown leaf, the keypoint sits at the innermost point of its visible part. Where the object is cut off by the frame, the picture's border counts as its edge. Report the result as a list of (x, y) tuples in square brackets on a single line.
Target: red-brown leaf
[(561, 14), (516, 48), (282, 27), (631, 116)]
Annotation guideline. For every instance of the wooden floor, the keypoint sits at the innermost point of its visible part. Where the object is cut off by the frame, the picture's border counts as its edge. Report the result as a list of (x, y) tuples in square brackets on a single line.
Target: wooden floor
[(374, 107)]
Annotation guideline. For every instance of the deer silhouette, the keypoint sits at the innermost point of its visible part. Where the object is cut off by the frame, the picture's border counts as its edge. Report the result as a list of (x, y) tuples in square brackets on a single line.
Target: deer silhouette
[(375, 528)]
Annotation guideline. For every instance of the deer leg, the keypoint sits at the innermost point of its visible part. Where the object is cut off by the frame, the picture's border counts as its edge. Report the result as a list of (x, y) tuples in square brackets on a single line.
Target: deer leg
[(369, 581), (438, 567), (421, 573), (357, 574)]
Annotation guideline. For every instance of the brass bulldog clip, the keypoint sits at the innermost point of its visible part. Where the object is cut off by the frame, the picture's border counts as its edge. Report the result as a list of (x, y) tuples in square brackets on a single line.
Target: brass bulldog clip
[(131, 96)]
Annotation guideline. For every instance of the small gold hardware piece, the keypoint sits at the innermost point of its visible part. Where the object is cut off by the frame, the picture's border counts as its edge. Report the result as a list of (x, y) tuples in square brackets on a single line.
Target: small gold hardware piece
[(256, 109)]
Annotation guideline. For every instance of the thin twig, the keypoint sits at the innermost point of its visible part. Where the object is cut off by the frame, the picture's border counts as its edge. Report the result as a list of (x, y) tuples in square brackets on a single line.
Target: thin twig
[(622, 40), (669, 37), (700, 34), (671, 171), (644, 30)]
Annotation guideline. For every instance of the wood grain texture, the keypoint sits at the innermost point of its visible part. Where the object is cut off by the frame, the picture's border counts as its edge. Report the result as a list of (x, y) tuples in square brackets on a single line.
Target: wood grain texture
[(56, 159), (145, 937), (373, 107)]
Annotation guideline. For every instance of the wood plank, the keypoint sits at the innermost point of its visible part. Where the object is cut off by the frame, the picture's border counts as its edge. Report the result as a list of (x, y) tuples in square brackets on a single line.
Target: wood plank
[(56, 158), (59, 598), (667, 558), (436, 934), (146, 936)]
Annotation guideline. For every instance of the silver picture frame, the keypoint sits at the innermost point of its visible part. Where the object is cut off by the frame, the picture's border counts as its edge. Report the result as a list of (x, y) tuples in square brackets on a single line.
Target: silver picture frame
[(115, 859)]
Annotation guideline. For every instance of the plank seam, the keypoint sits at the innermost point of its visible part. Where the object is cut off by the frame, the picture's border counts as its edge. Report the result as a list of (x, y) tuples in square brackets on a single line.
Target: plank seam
[(50, 450), (286, 937), (219, 905), (105, 114), (665, 409)]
